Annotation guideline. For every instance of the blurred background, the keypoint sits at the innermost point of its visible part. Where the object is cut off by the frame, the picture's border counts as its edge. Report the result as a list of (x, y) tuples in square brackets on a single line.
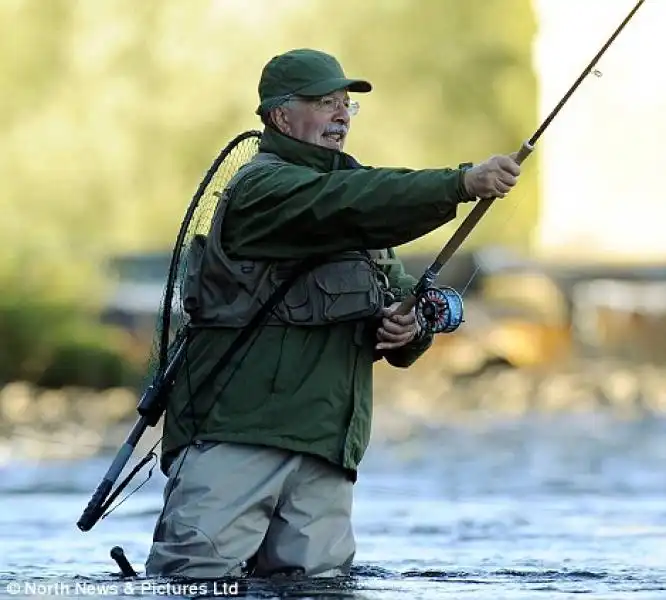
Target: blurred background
[(112, 111)]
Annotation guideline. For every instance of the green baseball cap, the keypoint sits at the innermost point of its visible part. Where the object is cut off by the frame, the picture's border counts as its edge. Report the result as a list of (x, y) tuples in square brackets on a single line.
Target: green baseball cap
[(303, 72)]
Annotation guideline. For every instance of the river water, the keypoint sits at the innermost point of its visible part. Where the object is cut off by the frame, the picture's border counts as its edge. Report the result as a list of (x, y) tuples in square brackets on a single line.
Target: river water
[(538, 507)]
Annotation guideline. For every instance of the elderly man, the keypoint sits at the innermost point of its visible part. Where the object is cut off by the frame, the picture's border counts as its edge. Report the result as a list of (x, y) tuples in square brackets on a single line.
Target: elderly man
[(262, 460)]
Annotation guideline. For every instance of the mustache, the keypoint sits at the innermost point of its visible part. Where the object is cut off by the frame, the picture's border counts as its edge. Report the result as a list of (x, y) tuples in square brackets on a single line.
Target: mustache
[(336, 128)]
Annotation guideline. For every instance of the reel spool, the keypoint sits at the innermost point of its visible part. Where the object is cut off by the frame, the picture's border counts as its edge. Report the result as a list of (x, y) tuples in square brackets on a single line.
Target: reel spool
[(439, 310)]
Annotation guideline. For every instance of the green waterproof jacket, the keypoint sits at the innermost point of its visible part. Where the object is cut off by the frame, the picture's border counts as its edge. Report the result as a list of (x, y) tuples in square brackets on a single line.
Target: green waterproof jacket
[(298, 388)]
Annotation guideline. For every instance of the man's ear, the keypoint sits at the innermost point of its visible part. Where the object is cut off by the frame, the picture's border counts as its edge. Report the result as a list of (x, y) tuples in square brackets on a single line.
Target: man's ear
[(280, 118)]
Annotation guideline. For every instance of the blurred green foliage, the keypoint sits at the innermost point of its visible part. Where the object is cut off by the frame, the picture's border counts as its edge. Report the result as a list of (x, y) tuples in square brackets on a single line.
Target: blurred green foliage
[(112, 110), (56, 344)]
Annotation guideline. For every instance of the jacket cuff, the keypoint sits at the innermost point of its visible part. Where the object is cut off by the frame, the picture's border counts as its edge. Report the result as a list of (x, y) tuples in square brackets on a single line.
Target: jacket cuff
[(463, 196)]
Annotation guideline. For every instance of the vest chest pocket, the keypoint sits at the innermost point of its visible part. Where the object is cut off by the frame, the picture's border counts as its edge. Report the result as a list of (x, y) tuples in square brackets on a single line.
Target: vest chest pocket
[(297, 306), (346, 290)]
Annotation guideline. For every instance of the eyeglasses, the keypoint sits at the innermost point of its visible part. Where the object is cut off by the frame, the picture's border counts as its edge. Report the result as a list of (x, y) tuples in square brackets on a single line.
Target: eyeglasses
[(331, 104)]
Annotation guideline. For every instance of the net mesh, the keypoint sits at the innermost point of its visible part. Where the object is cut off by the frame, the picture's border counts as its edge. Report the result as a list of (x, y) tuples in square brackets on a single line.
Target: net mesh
[(171, 318)]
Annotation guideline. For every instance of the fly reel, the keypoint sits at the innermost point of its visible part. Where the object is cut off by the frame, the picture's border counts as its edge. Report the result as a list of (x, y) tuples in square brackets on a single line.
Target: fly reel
[(439, 310)]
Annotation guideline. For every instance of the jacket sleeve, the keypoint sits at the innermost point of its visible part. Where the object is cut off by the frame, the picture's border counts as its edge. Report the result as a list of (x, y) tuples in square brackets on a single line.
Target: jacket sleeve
[(402, 283), (291, 212)]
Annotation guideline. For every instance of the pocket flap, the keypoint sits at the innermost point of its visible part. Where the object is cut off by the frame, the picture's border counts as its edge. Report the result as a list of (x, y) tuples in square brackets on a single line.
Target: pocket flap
[(345, 277), (192, 279)]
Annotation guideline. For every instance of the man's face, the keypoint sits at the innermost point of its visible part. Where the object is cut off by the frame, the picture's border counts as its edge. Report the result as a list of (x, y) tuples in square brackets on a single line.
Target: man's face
[(322, 121)]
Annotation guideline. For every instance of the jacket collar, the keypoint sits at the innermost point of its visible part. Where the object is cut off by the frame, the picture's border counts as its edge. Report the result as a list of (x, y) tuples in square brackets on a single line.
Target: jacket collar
[(303, 153)]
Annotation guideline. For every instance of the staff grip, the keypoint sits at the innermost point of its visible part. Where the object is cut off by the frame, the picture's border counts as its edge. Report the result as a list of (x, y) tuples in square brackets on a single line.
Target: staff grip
[(93, 511), (118, 554)]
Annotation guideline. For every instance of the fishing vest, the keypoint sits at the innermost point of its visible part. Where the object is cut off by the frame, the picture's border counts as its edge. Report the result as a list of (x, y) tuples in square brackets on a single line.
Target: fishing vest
[(219, 291)]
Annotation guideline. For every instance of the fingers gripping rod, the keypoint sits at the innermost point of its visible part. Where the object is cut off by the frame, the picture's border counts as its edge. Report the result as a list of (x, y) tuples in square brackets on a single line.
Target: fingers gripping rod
[(482, 206)]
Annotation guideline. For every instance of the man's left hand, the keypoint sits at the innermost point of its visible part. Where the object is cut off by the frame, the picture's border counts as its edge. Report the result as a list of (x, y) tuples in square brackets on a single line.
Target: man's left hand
[(396, 330)]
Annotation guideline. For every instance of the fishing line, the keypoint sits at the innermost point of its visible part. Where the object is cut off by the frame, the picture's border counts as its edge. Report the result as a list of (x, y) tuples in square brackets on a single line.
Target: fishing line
[(479, 263)]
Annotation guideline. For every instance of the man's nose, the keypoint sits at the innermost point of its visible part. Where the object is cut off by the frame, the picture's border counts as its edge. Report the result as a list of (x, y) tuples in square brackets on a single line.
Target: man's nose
[(341, 115)]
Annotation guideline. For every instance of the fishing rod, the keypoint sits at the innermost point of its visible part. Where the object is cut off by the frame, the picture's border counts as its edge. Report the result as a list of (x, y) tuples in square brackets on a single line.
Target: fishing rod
[(440, 310)]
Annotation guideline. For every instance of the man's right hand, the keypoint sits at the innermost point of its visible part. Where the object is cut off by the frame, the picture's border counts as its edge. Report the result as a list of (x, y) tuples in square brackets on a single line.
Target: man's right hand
[(493, 178)]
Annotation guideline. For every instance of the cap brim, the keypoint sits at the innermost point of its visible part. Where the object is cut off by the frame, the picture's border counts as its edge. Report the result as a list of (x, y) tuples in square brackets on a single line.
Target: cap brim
[(328, 86)]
